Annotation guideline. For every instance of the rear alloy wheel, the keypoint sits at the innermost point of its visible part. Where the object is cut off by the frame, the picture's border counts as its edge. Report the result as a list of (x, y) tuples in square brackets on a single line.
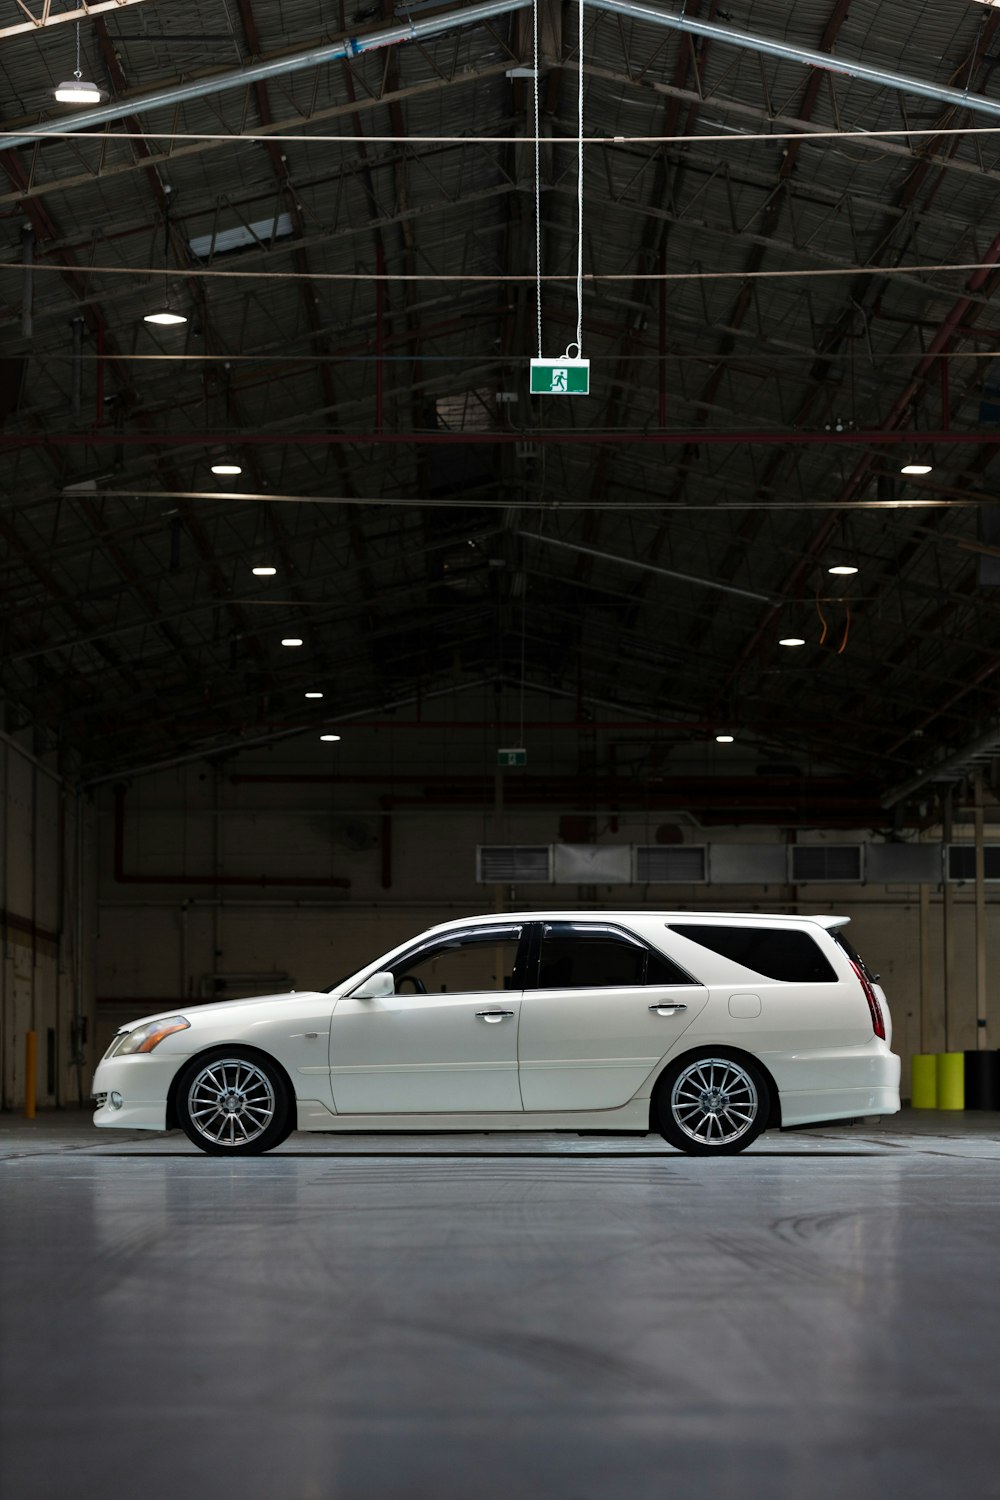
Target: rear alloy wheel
[(712, 1105), (234, 1104)]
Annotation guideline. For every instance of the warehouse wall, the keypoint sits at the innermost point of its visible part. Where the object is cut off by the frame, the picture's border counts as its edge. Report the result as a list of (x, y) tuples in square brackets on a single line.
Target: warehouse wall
[(47, 889), (211, 881)]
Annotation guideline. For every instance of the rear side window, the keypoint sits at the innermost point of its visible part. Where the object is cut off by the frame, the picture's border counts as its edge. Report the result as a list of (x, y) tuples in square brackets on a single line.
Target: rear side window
[(600, 958), (775, 952)]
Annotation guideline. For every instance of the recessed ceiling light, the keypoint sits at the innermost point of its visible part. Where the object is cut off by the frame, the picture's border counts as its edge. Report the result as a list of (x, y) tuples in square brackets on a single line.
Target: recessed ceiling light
[(291, 640), (165, 316), (842, 570), (330, 738), (917, 469), (724, 739), (314, 695), (226, 466), (791, 640), (261, 572)]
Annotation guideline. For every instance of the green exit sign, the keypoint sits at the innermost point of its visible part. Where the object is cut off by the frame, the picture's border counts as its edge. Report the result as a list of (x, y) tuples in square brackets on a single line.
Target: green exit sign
[(512, 757), (560, 377)]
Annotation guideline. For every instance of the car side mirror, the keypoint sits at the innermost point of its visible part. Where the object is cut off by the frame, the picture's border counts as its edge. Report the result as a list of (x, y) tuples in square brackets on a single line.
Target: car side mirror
[(375, 987)]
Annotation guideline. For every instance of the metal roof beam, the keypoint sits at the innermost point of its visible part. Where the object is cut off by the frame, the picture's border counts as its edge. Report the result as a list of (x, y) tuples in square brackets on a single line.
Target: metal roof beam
[(39, 20), (903, 83), (275, 67)]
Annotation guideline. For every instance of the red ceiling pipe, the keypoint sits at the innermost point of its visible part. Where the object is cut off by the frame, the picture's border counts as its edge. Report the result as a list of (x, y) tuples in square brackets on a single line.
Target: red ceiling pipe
[(901, 406), (948, 331), (642, 729), (768, 813), (793, 438), (747, 795), (379, 333), (99, 383), (386, 804), (336, 882)]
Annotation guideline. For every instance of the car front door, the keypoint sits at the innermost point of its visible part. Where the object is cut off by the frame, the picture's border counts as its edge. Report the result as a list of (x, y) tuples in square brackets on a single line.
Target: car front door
[(445, 1042), (600, 1010)]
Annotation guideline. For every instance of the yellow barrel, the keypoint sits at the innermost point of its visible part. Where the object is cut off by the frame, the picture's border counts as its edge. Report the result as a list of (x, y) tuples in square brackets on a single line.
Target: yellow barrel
[(951, 1080), (923, 1081)]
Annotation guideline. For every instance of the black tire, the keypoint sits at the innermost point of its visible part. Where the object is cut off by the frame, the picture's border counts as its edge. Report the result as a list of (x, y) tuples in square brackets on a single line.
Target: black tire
[(234, 1102), (712, 1103)]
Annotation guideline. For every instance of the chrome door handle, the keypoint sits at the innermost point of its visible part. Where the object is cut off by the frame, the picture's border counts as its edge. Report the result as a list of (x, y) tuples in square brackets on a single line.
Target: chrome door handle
[(492, 1016), (668, 1007)]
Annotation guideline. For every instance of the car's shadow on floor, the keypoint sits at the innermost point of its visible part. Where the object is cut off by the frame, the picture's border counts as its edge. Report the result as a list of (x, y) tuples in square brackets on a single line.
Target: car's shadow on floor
[(506, 1156)]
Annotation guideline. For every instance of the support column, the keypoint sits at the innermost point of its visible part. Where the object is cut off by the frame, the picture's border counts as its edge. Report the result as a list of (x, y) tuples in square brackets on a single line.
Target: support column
[(980, 915), (925, 968), (948, 913)]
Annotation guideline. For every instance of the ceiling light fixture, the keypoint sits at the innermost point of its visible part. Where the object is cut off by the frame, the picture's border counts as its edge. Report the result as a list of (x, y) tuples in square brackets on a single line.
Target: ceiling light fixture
[(330, 738), (843, 570), (791, 640), (724, 739), (77, 90), (166, 316), (291, 640), (314, 695), (915, 468), (228, 466), (261, 572)]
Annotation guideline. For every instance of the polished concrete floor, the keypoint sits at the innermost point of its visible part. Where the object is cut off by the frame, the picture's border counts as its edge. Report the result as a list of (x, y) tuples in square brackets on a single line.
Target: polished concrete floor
[(484, 1317)]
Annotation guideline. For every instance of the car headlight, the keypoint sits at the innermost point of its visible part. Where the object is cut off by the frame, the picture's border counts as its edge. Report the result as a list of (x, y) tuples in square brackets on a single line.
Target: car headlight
[(145, 1038)]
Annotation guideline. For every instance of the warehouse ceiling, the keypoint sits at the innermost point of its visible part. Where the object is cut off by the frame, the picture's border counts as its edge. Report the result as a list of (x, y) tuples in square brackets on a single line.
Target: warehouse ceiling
[(779, 313)]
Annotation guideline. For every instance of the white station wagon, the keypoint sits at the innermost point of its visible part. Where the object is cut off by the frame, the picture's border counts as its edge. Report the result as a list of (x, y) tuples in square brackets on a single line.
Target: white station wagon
[(708, 1028)]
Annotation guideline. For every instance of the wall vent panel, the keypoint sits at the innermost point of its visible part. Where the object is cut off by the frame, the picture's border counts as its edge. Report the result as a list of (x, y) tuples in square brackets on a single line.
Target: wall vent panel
[(962, 862), (748, 864), (677, 864), (593, 864), (904, 864), (829, 863), (514, 864)]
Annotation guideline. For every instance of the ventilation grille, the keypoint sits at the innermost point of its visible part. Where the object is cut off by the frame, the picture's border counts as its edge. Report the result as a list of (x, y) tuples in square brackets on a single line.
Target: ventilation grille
[(514, 864), (827, 862), (962, 861), (654, 864)]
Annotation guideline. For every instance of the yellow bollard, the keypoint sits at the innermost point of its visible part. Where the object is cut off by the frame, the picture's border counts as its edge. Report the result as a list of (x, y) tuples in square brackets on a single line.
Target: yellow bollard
[(951, 1080), (923, 1081), (30, 1072)]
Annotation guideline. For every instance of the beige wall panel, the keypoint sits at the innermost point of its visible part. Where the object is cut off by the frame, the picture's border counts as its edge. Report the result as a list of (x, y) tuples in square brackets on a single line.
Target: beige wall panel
[(19, 870)]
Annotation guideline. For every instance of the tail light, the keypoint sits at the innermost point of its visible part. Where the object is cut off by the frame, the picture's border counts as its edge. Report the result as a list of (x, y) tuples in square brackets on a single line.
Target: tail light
[(878, 1020)]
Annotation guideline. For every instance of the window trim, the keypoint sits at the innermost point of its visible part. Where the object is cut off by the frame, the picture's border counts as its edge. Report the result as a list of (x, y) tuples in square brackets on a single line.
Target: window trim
[(444, 940)]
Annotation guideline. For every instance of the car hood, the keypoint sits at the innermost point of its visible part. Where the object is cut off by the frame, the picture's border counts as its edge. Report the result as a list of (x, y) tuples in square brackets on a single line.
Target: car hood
[(211, 1008)]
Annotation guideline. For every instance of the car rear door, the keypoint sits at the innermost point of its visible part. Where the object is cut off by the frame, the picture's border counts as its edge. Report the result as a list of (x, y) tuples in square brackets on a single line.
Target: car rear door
[(599, 1011)]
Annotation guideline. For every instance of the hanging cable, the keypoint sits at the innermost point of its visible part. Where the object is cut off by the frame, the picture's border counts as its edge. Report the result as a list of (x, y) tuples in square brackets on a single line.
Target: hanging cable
[(822, 617), (538, 187), (579, 187)]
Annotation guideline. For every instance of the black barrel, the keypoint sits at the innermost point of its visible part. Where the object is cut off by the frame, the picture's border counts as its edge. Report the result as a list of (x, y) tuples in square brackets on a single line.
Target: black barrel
[(982, 1080)]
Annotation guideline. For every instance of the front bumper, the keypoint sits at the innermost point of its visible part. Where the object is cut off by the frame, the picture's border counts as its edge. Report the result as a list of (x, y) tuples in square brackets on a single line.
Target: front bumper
[(142, 1082)]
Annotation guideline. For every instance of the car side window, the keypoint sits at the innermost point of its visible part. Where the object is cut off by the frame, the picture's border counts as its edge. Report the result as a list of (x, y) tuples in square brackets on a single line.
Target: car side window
[(592, 958), (460, 963), (776, 953)]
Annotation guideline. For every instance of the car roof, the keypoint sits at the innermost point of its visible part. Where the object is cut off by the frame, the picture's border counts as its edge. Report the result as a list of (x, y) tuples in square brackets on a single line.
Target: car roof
[(646, 914)]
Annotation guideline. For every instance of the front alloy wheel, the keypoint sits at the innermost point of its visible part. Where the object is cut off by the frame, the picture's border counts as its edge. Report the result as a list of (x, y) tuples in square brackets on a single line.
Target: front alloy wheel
[(712, 1105), (234, 1104)]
